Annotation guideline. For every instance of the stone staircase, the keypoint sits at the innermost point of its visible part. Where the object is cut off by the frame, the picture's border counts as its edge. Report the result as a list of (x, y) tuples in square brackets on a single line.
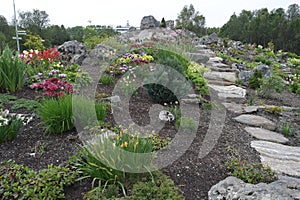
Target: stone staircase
[(272, 146)]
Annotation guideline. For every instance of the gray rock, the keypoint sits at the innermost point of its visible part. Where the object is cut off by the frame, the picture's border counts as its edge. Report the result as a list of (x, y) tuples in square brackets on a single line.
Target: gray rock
[(149, 22), (234, 107), (245, 75), (223, 76), (99, 55), (72, 52), (229, 92), (199, 58), (252, 109), (239, 66), (257, 121), (170, 24), (281, 158), (234, 188), (266, 135)]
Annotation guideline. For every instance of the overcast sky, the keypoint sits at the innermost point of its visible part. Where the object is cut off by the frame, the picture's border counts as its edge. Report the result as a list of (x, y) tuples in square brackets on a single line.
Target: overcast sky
[(116, 12)]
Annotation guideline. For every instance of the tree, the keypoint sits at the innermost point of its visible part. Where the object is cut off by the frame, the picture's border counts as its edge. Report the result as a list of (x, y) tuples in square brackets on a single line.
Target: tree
[(163, 23), (191, 20), (34, 21), (56, 35), (76, 33), (293, 12)]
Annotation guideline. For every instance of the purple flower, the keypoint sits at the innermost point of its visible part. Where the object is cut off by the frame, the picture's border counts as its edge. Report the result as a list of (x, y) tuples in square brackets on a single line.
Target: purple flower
[(62, 75), (40, 75), (51, 74)]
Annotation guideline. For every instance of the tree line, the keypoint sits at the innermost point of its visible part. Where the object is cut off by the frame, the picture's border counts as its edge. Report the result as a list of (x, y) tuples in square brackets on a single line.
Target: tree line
[(278, 26)]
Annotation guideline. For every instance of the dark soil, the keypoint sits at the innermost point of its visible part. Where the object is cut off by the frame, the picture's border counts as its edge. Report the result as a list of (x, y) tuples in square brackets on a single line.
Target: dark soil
[(193, 175)]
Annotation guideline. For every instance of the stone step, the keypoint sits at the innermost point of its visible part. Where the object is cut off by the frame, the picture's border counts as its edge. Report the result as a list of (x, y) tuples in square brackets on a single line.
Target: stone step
[(229, 93), (257, 121), (221, 76), (266, 135), (217, 65), (220, 83), (218, 69), (281, 158)]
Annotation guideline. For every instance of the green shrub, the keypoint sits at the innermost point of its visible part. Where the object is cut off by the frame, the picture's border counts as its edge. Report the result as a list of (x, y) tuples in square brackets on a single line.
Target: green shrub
[(56, 113), (9, 129), (106, 79), (161, 188), (20, 182), (170, 59), (166, 85), (295, 88), (250, 173), (270, 85), (186, 124), (255, 80), (12, 71)]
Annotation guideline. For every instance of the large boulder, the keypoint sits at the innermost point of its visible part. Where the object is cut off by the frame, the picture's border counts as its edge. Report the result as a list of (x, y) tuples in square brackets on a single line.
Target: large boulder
[(245, 75), (149, 22), (72, 52), (233, 188)]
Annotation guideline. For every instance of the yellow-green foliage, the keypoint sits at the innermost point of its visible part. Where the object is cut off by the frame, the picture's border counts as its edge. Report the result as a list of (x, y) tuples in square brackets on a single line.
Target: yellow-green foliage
[(34, 42), (274, 109), (195, 67)]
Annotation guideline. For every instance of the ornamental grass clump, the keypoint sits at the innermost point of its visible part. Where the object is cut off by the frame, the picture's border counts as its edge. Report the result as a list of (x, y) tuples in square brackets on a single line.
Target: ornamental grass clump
[(56, 113), (12, 72), (112, 158)]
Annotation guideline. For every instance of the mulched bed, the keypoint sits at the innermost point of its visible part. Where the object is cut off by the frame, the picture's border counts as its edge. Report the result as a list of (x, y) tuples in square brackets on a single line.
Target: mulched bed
[(193, 175)]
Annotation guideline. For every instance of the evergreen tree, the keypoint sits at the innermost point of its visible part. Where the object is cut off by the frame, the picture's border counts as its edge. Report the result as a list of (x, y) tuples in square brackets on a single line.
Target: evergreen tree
[(163, 23)]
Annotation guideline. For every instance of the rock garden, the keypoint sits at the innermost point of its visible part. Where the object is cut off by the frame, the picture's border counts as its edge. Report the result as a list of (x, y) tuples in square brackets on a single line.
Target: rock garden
[(150, 114)]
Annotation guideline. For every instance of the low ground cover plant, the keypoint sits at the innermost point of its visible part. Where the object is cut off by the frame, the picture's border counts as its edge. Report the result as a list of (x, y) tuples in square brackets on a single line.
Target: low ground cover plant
[(20, 182)]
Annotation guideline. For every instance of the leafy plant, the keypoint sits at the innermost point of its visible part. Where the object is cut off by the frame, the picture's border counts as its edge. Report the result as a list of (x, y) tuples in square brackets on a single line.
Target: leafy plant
[(20, 182), (12, 71), (54, 87), (186, 124), (288, 129), (57, 114), (105, 158), (9, 128)]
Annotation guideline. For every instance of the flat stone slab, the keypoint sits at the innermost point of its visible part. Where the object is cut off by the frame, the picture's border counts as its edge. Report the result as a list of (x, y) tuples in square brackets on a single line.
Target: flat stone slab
[(266, 135), (281, 158), (229, 92), (252, 109), (225, 76), (215, 59), (234, 107), (257, 121)]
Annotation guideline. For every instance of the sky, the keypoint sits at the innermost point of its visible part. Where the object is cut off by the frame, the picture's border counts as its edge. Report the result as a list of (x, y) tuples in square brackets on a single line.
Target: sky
[(72, 13)]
